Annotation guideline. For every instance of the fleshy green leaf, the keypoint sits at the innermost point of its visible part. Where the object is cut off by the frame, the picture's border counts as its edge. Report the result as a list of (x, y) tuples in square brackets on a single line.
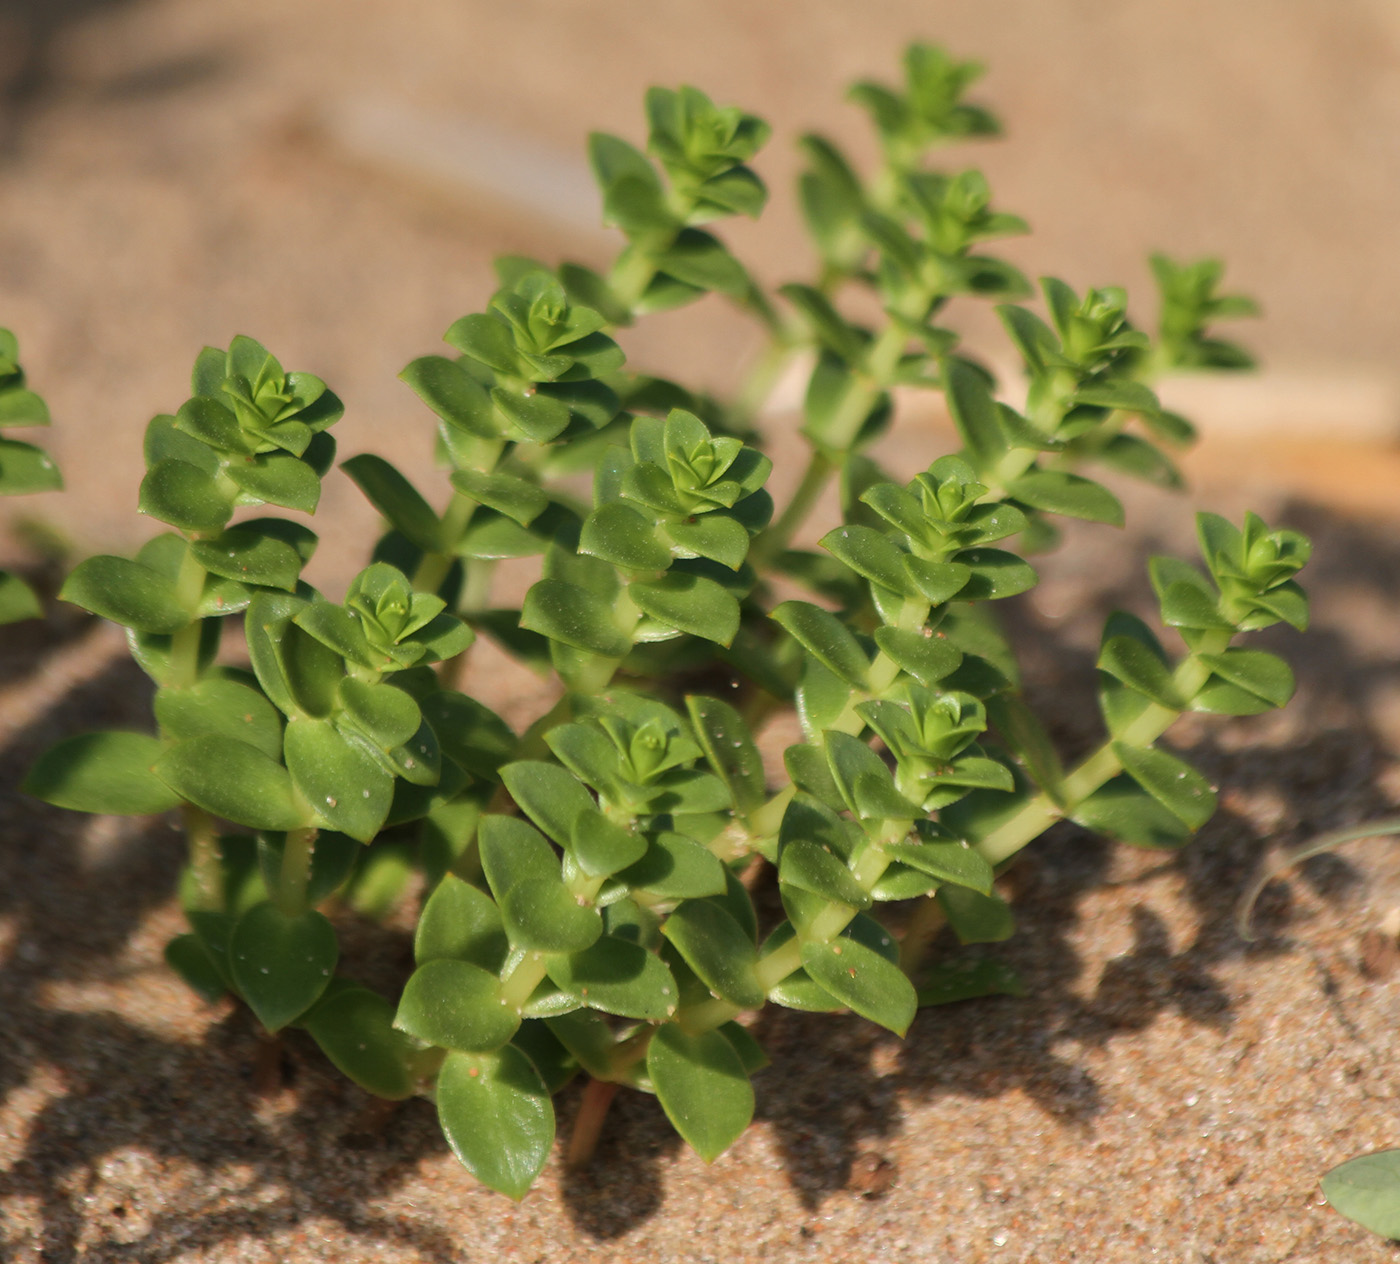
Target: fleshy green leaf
[(565, 612), (126, 592), (863, 980), (927, 658), (618, 977), (1121, 809), (1070, 495), (232, 780), (338, 777), (497, 1116), (542, 914), (102, 772), (976, 918), (220, 706), (355, 1030), (702, 1086), (397, 499), (824, 636), (1367, 1190), (690, 603), (281, 963), (718, 949), (460, 923), (730, 749), (456, 1005), (1172, 782)]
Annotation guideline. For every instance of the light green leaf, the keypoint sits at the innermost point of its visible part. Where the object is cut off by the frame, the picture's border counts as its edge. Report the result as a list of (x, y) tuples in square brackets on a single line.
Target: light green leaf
[(927, 658), (460, 923), (824, 636), (542, 914), (718, 949), (1121, 809), (519, 500), (548, 795), (676, 868), (176, 492), (976, 918), (617, 533), (730, 749), (1367, 1190), (1070, 495), (223, 707), (1127, 659), (126, 592), (565, 612), (338, 777), (1172, 782), (808, 866)]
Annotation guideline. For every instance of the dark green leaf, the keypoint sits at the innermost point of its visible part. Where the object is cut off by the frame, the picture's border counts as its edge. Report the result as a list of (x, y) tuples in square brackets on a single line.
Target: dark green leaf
[(102, 772), (513, 852), (690, 603), (281, 963), (730, 749), (497, 1116), (460, 923), (549, 796), (927, 658), (126, 592), (456, 1005), (1172, 782), (338, 777), (995, 574), (542, 914), (175, 492), (702, 1086), (716, 536), (602, 847), (718, 949), (617, 533), (617, 976), (220, 706), (1069, 495), (824, 636), (1127, 659), (968, 979), (453, 394), (953, 862), (976, 918), (397, 499), (810, 867), (232, 780), (355, 1030), (676, 868), (1121, 809), (267, 552), (1258, 672), (863, 980), (565, 612), (190, 959), (519, 500)]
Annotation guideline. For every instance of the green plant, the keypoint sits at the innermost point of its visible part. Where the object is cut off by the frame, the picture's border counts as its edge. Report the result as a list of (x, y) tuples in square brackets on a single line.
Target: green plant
[(585, 902), (23, 467)]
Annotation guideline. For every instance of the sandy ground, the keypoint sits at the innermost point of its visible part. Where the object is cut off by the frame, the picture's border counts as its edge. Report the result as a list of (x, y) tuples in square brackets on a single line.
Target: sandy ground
[(1166, 1092)]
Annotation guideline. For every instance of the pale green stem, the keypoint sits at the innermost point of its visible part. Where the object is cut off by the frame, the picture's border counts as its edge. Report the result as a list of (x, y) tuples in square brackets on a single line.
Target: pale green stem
[(184, 645), (520, 982), (295, 872), (433, 567), (203, 840)]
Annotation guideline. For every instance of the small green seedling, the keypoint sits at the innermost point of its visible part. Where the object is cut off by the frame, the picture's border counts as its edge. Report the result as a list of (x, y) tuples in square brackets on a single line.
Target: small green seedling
[(585, 885), (23, 467)]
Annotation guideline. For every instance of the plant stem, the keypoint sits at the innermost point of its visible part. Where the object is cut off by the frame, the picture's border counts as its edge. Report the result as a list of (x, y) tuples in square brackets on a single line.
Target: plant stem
[(184, 644), (295, 872), (205, 864), (433, 567), (588, 1123), (521, 980)]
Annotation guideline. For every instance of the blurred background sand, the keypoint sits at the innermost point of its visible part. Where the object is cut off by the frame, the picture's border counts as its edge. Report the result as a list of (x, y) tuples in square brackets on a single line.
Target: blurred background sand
[(327, 175)]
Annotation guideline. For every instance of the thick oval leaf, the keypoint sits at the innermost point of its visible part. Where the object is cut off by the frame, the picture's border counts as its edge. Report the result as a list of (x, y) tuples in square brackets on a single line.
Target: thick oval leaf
[(277, 479), (460, 923), (702, 1086), (565, 612), (824, 636), (810, 867), (1257, 671), (927, 658), (864, 981), (281, 964), (676, 868), (451, 392), (549, 795), (497, 1116), (102, 772), (968, 979), (268, 552), (730, 749), (617, 976), (190, 959), (341, 780), (1121, 809), (220, 707), (126, 592), (602, 847), (1070, 495), (179, 493), (355, 1029), (397, 499), (617, 533), (1171, 781), (871, 553), (976, 918), (505, 493), (1127, 659), (716, 536), (995, 574), (542, 914), (383, 713), (949, 862), (718, 949), (513, 852), (689, 603), (1367, 1190), (232, 780), (456, 1005)]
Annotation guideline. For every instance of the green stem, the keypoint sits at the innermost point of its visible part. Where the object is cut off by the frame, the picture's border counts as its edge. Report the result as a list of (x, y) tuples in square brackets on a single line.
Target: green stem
[(184, 645), (521, 980), (205, 864), (763, 377), (433, 567), (295, 872)]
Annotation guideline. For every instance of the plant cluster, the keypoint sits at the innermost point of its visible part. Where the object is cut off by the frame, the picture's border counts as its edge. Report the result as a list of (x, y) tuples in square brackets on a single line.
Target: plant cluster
[(586, 884)]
